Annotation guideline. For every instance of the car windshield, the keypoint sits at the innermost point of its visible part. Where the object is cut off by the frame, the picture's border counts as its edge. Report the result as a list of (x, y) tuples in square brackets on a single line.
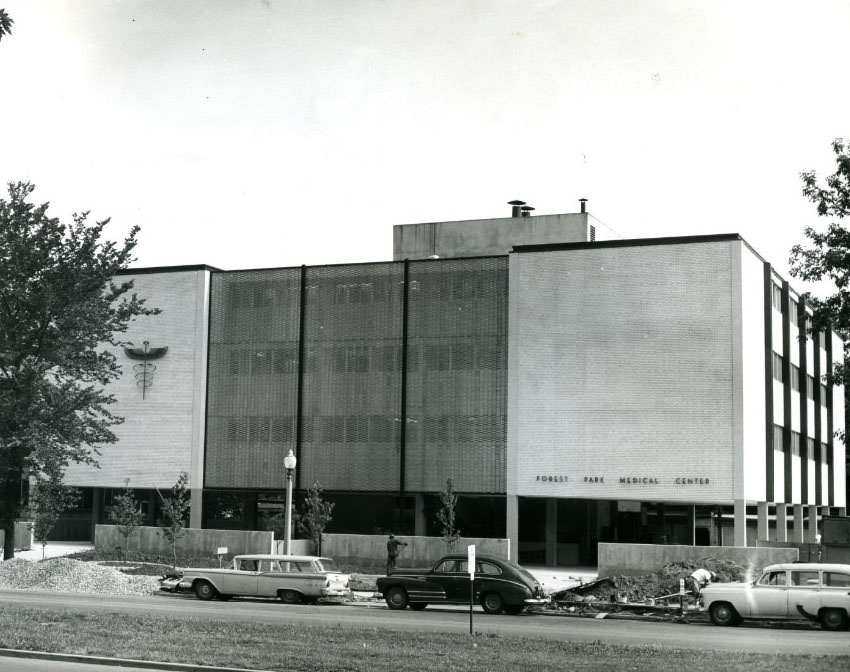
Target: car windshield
[(327, 565)]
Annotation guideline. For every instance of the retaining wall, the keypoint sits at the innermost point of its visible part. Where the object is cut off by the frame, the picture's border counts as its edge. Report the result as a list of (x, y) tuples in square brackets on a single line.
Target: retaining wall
[(195, 542), (635, 559), (370, 549), (23, 536)]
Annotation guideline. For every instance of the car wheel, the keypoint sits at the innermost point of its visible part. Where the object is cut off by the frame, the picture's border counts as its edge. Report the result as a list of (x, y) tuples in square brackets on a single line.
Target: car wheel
[(833, 619), (492, 603), (204, 590), (290, 596), (396, 598), (514, 609), (418, 606), (723, 613)]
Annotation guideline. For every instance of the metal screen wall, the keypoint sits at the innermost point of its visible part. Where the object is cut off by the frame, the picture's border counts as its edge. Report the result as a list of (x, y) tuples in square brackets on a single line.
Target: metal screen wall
[(352, 396), (457, 375), (352, 377), (253, 377)]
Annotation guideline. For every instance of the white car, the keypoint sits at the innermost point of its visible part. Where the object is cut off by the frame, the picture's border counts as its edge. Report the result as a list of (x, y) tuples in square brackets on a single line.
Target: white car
[(817, 591), (292, 578)]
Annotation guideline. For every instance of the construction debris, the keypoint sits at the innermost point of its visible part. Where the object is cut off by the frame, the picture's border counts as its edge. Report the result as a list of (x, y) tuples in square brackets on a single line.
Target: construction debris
[(646, 587)]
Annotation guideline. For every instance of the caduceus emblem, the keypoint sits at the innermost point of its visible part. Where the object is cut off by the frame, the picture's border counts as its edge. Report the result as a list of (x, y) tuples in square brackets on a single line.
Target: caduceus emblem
[(144, 370)]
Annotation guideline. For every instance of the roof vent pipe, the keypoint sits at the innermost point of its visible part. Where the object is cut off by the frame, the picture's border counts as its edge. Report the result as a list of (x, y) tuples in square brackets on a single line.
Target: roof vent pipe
[(583, 202), (515, 205), (526, 210)]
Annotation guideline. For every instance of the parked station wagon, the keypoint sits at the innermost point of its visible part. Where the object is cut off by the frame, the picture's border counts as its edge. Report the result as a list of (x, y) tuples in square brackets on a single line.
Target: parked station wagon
[(820, 592), (291, 578)]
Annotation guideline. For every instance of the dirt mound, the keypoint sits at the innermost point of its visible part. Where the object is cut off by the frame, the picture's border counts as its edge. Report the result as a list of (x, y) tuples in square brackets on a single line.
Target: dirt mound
[(656, 584), (72, 576)]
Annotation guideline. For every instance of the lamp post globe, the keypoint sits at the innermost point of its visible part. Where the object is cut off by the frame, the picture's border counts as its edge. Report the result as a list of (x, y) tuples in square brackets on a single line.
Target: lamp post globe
[(289, 463)]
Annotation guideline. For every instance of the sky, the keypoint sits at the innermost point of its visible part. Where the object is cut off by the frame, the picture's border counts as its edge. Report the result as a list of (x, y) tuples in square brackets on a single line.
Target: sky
[(268, 133)]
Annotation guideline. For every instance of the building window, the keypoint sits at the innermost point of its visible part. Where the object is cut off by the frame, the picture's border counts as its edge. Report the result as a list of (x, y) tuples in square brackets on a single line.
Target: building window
[(810, 387), (777, 438), (824, 454), (810, 448), (777, 298), (795, 377), (795, 443), (777, 367), (794, 312), (823, 395)]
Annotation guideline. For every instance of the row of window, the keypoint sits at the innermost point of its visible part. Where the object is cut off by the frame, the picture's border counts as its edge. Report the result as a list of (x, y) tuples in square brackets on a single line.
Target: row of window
[(445, 429), (794, 312), (778, 362), (361, 357), (795, 444), (358, 290)]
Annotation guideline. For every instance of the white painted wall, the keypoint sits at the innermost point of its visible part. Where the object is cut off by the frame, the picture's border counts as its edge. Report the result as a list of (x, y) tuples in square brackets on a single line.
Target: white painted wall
[(753, 374)]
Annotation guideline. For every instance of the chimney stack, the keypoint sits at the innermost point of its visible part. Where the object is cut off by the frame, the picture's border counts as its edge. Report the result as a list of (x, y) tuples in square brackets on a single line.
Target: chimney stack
[(515, 206), (583, 202), (526, 211)]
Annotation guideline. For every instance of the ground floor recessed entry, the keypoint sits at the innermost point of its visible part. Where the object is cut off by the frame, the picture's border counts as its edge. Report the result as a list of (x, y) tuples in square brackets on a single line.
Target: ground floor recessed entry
[(566, 531)]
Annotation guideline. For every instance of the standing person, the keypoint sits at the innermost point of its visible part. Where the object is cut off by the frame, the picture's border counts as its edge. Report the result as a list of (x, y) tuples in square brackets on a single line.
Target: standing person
[(392, 551)]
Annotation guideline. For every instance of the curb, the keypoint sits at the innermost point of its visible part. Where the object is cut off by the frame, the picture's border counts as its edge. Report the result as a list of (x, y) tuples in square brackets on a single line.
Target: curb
[(118, 662)]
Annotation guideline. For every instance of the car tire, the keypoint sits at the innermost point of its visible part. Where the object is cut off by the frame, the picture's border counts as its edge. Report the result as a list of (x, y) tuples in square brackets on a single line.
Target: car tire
[(396, 598), (289, 596), (204, 590), (514, 609), (492, 603), (418, 606), (833, 619), (724, 614)]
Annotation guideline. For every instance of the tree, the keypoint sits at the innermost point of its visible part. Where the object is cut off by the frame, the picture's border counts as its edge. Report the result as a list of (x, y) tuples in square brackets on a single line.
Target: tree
[(5, 23), (174, 509), (446, 516), (59, 308), (828, 258), (314, 517), (48, 499), (126, 514)]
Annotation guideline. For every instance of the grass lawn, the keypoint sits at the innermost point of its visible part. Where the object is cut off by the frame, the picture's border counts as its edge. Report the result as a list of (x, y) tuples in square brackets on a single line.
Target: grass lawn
[(272, 647)]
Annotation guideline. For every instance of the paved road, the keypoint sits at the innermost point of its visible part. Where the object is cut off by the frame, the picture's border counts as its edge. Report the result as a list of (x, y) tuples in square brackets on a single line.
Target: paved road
[(787, 639)]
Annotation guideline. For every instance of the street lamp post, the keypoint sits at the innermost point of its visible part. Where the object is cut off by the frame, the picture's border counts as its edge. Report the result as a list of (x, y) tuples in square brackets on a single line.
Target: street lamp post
[(289, 462)]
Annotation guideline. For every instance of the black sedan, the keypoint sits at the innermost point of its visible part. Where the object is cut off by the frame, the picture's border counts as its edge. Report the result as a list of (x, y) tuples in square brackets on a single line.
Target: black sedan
[(499, 585)]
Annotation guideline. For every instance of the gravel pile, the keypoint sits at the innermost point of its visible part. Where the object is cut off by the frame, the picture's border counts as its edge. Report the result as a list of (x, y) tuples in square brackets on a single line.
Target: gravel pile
[(73, 576)]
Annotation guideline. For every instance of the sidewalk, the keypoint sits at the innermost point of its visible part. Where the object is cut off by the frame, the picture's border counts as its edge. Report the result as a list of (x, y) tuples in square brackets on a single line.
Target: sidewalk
[(555, 579), (53, 549)]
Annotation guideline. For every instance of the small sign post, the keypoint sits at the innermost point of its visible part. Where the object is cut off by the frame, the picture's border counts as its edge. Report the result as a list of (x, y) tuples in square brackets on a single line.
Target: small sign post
[(470, 550), (222, 550)]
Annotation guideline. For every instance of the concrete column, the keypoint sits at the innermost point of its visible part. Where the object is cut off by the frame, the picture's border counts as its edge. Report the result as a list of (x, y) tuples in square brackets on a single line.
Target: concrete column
[(419, 524), (512, 525), (763, 533), (551, 531), (797, 532), (196, 510), (782, 522), (96, 497), (740, 536), (812, 528)]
